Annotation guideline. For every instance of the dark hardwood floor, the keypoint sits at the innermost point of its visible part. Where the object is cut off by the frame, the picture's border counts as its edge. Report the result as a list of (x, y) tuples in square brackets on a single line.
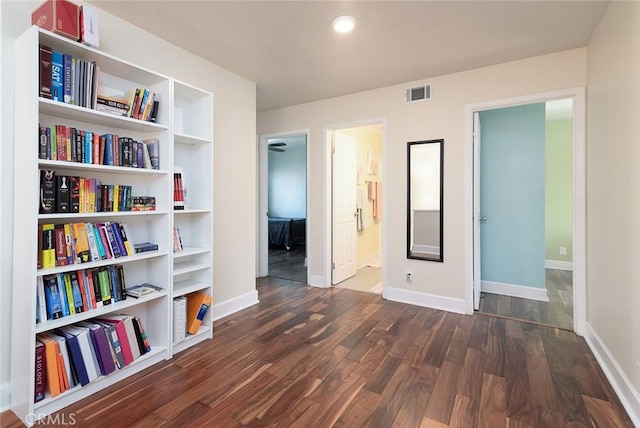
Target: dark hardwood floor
[(557, 312), (311, 357), (288, 264)]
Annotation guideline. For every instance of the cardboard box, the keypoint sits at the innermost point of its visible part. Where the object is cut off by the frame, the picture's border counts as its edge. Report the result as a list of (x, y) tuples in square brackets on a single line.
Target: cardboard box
[(89, 25), (59, 16)]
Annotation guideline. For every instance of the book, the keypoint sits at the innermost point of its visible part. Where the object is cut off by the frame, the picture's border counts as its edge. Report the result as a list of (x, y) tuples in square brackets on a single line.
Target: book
[(153, 147), (125, 233), (101, 345), (197, 306), (83, 252), (74, 194), (67, 78), (61, 245), (123, 338), (105, 285), (45, 71), (40, 372), (52, 383), (62, 194), (57, 76), (75, 356), (52, 297), (48, 246), (47, 191), (142, 290), (67, 375), (41, 299), (179, 319), (93, 242), (86, 348), (114, 343), (141, 334), (144, 246)]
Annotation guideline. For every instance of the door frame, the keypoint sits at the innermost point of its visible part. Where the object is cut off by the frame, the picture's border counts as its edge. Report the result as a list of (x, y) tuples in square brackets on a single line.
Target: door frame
[(327, 197), (579, 193), (262, 229)]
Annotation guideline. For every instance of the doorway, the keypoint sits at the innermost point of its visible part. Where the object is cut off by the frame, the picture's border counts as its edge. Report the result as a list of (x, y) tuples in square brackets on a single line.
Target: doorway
[(550, 196), (283, 184), (356, 207)]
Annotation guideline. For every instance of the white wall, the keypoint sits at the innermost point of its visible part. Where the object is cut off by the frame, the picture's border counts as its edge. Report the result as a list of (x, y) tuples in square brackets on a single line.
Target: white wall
[(441, 117), (288, 183), (234, 139), (613, 186)]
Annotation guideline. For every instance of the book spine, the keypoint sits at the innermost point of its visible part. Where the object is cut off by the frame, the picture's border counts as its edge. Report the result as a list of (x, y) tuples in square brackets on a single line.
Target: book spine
[(57, 76), (67, 78), (63, 194), (93, 244), (42, 143), (105, 289), (45, 71), (64, 296), (48, 246), (52, 296), (40, 368), (61, 245), (47, 191), (113, 245)]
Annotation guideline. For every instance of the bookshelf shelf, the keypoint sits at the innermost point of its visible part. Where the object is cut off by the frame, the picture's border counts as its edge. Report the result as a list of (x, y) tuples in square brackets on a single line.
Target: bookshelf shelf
[(185, 141), (64, 111), (181, 288), (193, 158), (48, 325)]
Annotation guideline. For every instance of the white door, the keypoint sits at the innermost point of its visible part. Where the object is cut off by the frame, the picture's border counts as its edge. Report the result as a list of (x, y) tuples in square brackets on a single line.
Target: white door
[(344, 191), (476, 211)]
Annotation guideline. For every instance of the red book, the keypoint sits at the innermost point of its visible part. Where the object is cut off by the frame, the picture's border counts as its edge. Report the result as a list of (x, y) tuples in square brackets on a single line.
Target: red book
[(40, 372), (45, 71), (61, 245), (121, 331)]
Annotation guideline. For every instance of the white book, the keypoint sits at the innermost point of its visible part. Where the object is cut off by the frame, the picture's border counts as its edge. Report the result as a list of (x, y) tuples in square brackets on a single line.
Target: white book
[(42, 304), (179, 319), (93, 246)]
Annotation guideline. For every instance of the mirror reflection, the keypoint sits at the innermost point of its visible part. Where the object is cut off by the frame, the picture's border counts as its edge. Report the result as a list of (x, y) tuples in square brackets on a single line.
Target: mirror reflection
[(424, 199)]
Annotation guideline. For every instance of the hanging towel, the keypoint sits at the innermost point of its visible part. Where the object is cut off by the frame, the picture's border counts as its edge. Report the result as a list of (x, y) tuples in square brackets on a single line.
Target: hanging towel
[(370, 190), (377, 203), (359, 204)]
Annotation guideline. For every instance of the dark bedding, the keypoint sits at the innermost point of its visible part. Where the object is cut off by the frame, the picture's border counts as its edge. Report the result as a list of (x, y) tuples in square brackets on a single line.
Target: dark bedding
[(286, 231)]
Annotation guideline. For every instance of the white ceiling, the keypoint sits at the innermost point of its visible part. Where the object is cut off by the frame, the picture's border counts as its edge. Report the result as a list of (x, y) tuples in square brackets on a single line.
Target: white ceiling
[(289, 49)]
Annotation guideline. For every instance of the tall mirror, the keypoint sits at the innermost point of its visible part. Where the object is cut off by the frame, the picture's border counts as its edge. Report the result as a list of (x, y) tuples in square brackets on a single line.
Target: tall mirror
[(425, 161)]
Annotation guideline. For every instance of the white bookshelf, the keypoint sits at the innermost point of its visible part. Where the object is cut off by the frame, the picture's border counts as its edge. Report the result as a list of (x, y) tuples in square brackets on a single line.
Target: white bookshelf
[(193, 156), (191, 145)]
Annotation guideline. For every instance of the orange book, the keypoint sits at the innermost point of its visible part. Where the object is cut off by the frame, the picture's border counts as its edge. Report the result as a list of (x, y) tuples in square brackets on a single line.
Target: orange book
[(82, 242), (197, 306), (51, 361)]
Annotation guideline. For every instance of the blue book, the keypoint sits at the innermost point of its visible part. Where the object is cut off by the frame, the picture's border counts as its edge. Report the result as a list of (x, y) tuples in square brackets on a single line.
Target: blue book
[(88, 146), (75, 355), (57, 76), (99, 244), (116, 232), (68, 78), (63, 296), (108, 149), (52, 296)]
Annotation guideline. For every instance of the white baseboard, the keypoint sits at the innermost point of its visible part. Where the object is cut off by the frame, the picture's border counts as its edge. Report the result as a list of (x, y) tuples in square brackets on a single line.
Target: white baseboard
[(316, 281), (5, 396), (558, 264), (628, 395), (514, 290), (374, 259), (427, 300), (231, 306)]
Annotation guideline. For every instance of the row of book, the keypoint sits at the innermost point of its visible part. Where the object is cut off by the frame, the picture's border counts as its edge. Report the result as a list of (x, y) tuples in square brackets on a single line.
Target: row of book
[(72, 194), (67, 79), (138, 103), (77, 354), (70, 144), (74, 81), (70, 293), (179, 191), (188, 314), (66, 244)]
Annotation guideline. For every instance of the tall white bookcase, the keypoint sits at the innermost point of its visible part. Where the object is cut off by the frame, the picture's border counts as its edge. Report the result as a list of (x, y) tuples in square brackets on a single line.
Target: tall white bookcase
[(184, 129), (193, 159)]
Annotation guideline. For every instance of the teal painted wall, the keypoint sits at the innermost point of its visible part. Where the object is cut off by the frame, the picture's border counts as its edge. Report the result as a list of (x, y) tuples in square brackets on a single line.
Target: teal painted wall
[(559, 189), (512, 195)]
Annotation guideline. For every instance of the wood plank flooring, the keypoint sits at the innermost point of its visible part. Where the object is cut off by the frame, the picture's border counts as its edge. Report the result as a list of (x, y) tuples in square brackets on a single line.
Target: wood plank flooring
[(285, 264), (310, 357), (557, 312)]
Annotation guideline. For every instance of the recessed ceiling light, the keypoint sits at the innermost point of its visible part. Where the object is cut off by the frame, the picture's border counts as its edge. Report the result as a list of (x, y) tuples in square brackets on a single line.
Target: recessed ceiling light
[(343, 24)]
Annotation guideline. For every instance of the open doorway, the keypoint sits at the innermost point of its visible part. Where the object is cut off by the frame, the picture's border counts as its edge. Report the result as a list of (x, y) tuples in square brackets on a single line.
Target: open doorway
[(356, 213), (528, 210), (283, 206)]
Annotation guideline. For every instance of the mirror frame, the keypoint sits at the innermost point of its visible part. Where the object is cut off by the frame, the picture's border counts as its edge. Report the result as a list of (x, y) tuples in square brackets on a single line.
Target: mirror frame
[(410, 254)]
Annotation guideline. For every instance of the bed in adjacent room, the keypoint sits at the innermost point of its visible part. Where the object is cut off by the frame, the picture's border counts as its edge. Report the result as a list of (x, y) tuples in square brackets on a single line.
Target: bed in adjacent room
[(287, 232)]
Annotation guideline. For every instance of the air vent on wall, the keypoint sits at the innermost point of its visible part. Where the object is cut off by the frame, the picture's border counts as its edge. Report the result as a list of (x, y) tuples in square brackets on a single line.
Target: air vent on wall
[(419, 93)]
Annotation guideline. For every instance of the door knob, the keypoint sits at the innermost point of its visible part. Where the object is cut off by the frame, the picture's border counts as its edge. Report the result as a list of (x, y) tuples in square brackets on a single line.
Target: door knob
[(483, 218)]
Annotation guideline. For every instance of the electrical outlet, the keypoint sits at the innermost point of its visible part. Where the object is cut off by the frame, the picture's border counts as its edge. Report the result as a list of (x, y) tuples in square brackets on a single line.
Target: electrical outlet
[(563, 251), (409, 277)]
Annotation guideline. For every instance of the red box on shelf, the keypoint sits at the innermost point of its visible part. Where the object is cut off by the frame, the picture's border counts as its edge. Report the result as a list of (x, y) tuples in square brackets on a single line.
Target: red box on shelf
[(59, 16)]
